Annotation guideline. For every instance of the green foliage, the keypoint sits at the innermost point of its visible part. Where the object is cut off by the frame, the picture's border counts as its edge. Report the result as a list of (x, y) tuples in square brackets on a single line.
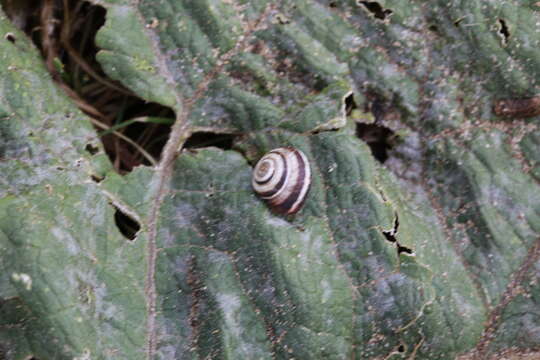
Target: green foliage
[(432, 256)]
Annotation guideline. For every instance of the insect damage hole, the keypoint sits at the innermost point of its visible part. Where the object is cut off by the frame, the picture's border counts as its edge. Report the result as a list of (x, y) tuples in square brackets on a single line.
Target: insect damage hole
[(10, 37), (128, 226), (206, 139), (380, 139), (376, 9), (282, 19), (504, 32), (91, 149), (390, 235), (349, 104), (403, 249), (96, 178)]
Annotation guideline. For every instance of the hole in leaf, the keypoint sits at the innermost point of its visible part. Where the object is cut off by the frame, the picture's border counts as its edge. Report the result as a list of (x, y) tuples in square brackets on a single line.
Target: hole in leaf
[(504, 31), (96, 179), (128, 226), (390, 235), (206, 139), (64, 31), (350, 104), (92, 149), (379, 138), (10, 37), (403, 249), (376, 9), (282, 19)]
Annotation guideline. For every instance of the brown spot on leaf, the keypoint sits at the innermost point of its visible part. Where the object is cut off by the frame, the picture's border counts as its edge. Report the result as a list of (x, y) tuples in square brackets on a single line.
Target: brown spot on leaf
[(518, 108)]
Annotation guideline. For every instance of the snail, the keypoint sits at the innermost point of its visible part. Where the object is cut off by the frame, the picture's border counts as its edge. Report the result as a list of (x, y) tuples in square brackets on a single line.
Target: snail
[(282, 178)]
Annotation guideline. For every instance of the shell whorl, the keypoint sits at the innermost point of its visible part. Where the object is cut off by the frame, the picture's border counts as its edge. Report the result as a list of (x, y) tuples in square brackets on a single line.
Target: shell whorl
[(282, 178)]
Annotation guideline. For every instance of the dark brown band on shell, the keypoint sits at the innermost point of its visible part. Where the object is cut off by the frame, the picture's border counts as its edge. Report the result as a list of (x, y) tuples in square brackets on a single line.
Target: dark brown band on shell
[(286, 206), (286, 189)]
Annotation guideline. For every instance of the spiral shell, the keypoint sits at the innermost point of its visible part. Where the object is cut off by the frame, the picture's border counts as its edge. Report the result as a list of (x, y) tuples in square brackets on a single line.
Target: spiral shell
[(282, 178)]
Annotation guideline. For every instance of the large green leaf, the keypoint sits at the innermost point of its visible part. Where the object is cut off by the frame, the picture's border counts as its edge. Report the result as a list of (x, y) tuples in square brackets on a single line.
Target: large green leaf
[(432, 255)]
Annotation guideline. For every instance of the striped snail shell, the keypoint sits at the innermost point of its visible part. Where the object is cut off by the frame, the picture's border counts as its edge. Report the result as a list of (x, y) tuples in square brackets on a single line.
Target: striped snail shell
[(282, 178)]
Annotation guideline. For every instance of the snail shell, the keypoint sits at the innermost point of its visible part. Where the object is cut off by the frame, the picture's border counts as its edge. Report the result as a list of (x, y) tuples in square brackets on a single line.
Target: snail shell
[(282, 178)]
